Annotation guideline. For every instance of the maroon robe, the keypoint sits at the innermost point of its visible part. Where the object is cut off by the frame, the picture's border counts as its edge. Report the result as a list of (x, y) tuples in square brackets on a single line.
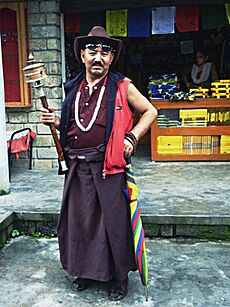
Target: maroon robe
[(94, 230)]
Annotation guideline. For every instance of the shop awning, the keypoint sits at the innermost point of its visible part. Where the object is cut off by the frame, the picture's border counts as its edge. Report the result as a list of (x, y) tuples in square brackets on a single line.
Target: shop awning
[(70, 6)]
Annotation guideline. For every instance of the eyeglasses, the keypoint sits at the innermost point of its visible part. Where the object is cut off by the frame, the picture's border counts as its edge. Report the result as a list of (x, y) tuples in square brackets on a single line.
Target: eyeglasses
[(104, 48)]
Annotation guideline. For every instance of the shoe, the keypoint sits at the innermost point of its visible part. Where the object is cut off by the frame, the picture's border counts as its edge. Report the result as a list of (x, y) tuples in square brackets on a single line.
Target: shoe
[(80, 284), (118, 290)]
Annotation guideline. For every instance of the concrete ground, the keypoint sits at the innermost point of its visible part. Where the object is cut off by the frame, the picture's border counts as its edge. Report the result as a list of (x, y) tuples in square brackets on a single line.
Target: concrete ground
[(181, 273), (180, 188)]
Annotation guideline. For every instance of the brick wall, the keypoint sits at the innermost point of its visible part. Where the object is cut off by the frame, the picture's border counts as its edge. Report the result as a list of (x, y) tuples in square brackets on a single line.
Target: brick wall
[(44, 43)]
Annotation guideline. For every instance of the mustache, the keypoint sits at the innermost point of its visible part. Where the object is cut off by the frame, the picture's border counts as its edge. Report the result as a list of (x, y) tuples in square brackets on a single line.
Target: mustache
[(97, 63)]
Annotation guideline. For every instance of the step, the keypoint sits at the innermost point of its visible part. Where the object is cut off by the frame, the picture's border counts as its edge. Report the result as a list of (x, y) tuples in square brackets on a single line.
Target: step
[(167, 226)]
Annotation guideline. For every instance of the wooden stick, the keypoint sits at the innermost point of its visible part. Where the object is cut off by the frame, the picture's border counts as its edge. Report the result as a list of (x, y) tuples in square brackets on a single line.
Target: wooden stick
[(54, 133)]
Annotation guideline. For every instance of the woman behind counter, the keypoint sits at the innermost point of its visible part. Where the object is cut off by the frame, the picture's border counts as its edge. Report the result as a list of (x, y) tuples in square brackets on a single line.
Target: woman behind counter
[(202, 73)]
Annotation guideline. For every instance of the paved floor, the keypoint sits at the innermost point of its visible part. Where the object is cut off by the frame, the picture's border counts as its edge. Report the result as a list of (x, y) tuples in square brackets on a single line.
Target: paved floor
[(180, 188), (181, 273), (184, 188)]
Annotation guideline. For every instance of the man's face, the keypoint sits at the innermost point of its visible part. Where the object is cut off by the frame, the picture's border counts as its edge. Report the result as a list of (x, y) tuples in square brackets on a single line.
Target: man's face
[(97, 59)]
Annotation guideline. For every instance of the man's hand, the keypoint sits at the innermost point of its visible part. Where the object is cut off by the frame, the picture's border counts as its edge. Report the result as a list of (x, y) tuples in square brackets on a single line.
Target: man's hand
[(128, 149), (48, 117)]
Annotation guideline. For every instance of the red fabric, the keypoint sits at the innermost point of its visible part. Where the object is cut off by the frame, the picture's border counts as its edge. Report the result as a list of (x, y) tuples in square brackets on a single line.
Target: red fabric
[(123, 122), (72, 23), (8, 29), (187, 18), (20, 145)]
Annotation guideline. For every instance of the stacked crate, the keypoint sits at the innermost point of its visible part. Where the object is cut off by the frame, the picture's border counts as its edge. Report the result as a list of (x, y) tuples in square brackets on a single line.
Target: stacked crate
[(194, 117), (225, 144), (169, 144), (200, 92), (221, 89)]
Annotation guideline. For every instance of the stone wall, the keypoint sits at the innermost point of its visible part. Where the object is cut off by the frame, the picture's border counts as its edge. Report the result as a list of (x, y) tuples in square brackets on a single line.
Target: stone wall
[(44, 42)]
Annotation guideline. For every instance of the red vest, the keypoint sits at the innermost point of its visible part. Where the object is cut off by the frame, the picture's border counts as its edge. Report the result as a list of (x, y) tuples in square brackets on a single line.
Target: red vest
[(123, 121)]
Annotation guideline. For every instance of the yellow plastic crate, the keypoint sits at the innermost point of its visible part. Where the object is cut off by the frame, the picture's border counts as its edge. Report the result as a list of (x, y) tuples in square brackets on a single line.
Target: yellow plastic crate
[(225, 144), (220, 95), (201, 95), (194, 113), (220, 85), (169, 144), (220, 90), (225, 139), (226, 116), (200, 92), (195, 117), (212, 117), (225, 81), (200, 89), (224, 149)]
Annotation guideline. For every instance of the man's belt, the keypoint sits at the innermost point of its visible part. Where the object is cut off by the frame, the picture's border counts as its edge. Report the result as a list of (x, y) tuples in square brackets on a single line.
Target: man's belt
[(88, 154)]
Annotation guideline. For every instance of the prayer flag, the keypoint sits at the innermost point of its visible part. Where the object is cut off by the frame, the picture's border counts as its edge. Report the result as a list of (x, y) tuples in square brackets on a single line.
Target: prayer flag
[(163, 19), (139, 22), (187, 18), (212, 16), (72, 23), (227, 8), (116, 22)]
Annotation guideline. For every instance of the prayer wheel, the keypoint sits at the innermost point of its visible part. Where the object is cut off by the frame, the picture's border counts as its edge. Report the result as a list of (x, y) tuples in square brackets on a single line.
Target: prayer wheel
[(34, 73)]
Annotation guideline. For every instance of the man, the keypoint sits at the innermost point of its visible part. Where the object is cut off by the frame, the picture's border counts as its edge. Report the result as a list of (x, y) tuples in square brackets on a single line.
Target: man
[(97, 135)]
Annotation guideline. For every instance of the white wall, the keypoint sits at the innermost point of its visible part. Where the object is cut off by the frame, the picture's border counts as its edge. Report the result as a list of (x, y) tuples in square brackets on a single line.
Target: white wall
[(4, 171)]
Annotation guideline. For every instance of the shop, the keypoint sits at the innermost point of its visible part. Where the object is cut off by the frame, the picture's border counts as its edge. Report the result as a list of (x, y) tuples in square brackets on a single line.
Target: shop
[(159, 48)]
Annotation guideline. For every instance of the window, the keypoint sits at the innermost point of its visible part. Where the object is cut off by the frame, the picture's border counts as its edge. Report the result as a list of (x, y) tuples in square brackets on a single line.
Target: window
[(14, 53)]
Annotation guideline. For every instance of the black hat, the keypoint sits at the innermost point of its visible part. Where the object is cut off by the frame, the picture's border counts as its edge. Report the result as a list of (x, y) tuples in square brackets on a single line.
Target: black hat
[(97, 35)]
